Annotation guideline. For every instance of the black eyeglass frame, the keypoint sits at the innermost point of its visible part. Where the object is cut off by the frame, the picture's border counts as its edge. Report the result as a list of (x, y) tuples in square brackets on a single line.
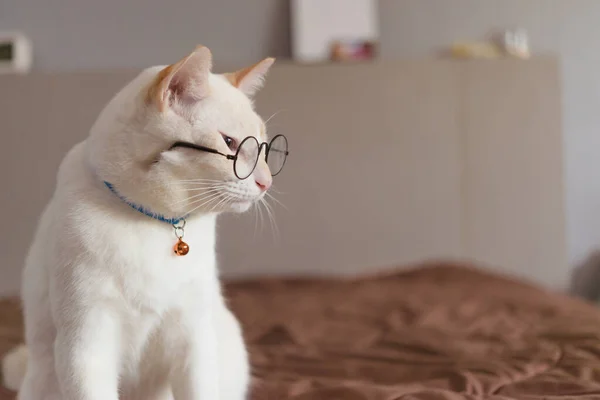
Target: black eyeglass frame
[(235, 156)]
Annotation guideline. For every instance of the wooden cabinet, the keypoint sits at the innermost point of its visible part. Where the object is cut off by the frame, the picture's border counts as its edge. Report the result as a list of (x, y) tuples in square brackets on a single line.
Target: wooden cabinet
[(513, 203), (391, 164), (395, 163)]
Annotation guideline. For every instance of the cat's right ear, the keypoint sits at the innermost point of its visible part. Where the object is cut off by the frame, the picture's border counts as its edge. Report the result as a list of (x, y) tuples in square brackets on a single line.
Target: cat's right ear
[(182, 83)]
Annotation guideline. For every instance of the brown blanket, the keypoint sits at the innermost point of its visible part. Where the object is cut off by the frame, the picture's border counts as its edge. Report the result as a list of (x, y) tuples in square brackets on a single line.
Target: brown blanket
[(438, 332)]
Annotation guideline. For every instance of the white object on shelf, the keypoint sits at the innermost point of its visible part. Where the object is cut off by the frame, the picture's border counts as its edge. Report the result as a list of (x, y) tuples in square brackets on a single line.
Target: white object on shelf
[(316, 24), (15, 53), (516, 43)]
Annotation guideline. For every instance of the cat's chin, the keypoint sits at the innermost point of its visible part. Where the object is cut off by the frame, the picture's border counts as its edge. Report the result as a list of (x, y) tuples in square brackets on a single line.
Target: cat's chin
[(240, 206)]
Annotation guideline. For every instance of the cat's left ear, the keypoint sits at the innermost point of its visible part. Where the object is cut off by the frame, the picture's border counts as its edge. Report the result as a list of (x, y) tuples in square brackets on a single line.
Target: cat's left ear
[(185, 82), (251, 79)]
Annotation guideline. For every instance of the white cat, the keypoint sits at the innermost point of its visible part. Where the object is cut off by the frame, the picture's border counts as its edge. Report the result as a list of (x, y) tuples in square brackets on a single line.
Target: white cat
[(112, 310)]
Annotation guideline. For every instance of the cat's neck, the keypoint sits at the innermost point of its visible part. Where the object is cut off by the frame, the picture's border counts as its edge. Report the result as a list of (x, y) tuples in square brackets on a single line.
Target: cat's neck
[(76, 175)]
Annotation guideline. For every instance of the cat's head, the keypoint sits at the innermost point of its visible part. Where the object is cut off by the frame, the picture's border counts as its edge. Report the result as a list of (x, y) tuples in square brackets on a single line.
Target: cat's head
[(131, 144)]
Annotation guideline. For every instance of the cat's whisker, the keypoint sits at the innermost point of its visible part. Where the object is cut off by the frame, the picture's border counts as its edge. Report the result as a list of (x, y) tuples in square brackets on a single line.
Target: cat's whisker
[(261, 205), (186, 185), (172, 185), (198, 180), (264, 204), (197, 183), (273, 222), (196, 189), (205, 193), (255, 206), (275, 190), (230, 199), (227, 196), (275, 200), (199, 191), (217, 200), (190, 185), (260, 215), (205, 200), (214, 198), (273, 116)]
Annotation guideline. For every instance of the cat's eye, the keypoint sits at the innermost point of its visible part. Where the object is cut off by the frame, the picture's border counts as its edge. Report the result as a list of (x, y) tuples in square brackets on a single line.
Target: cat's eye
[(230, 142)]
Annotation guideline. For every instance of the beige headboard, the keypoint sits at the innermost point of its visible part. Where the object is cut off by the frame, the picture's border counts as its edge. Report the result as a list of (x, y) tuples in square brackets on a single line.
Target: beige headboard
[(390, 164)]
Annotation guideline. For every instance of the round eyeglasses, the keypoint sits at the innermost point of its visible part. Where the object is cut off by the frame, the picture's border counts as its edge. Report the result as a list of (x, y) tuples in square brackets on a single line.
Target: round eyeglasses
[(247, 154)]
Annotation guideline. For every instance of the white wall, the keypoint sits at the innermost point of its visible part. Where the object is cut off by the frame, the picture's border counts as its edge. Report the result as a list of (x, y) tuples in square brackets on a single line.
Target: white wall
[(72, 34)]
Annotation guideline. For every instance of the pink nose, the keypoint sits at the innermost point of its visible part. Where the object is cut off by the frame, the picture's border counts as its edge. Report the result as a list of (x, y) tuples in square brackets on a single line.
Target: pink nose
[(264, 186)]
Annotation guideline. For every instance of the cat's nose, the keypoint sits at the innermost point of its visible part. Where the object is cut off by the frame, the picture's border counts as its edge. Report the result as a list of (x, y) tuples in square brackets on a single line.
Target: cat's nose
[(264, 184), (263, 177)]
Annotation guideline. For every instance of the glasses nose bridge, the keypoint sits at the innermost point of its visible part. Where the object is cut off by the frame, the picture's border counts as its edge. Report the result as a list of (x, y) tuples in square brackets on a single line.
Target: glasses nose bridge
[(260, 147)]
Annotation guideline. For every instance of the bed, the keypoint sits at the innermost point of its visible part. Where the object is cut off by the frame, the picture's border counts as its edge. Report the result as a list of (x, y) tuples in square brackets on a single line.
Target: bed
[(435, 331)]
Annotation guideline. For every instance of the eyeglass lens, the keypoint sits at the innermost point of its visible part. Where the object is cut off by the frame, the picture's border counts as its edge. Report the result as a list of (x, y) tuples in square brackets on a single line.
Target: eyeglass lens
[(247, 157), (278, 149)]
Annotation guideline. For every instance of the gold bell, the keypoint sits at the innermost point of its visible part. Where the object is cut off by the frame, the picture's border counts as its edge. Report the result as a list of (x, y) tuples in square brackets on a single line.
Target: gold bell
[(181, 248)]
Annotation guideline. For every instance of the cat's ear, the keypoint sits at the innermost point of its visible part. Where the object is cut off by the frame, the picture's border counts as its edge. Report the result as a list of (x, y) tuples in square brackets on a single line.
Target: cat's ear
[(186, 81), (249, 80)]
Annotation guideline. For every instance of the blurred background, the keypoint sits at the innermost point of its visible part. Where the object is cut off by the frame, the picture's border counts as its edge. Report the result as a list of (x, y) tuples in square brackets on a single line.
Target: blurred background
[(418, 129)]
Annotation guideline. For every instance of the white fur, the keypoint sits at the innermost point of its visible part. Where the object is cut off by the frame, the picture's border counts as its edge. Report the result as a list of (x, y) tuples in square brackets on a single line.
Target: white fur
[(110, 311)]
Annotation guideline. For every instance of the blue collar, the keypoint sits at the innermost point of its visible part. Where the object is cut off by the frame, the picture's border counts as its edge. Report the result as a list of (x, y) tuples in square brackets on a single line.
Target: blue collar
[(158, 217)]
